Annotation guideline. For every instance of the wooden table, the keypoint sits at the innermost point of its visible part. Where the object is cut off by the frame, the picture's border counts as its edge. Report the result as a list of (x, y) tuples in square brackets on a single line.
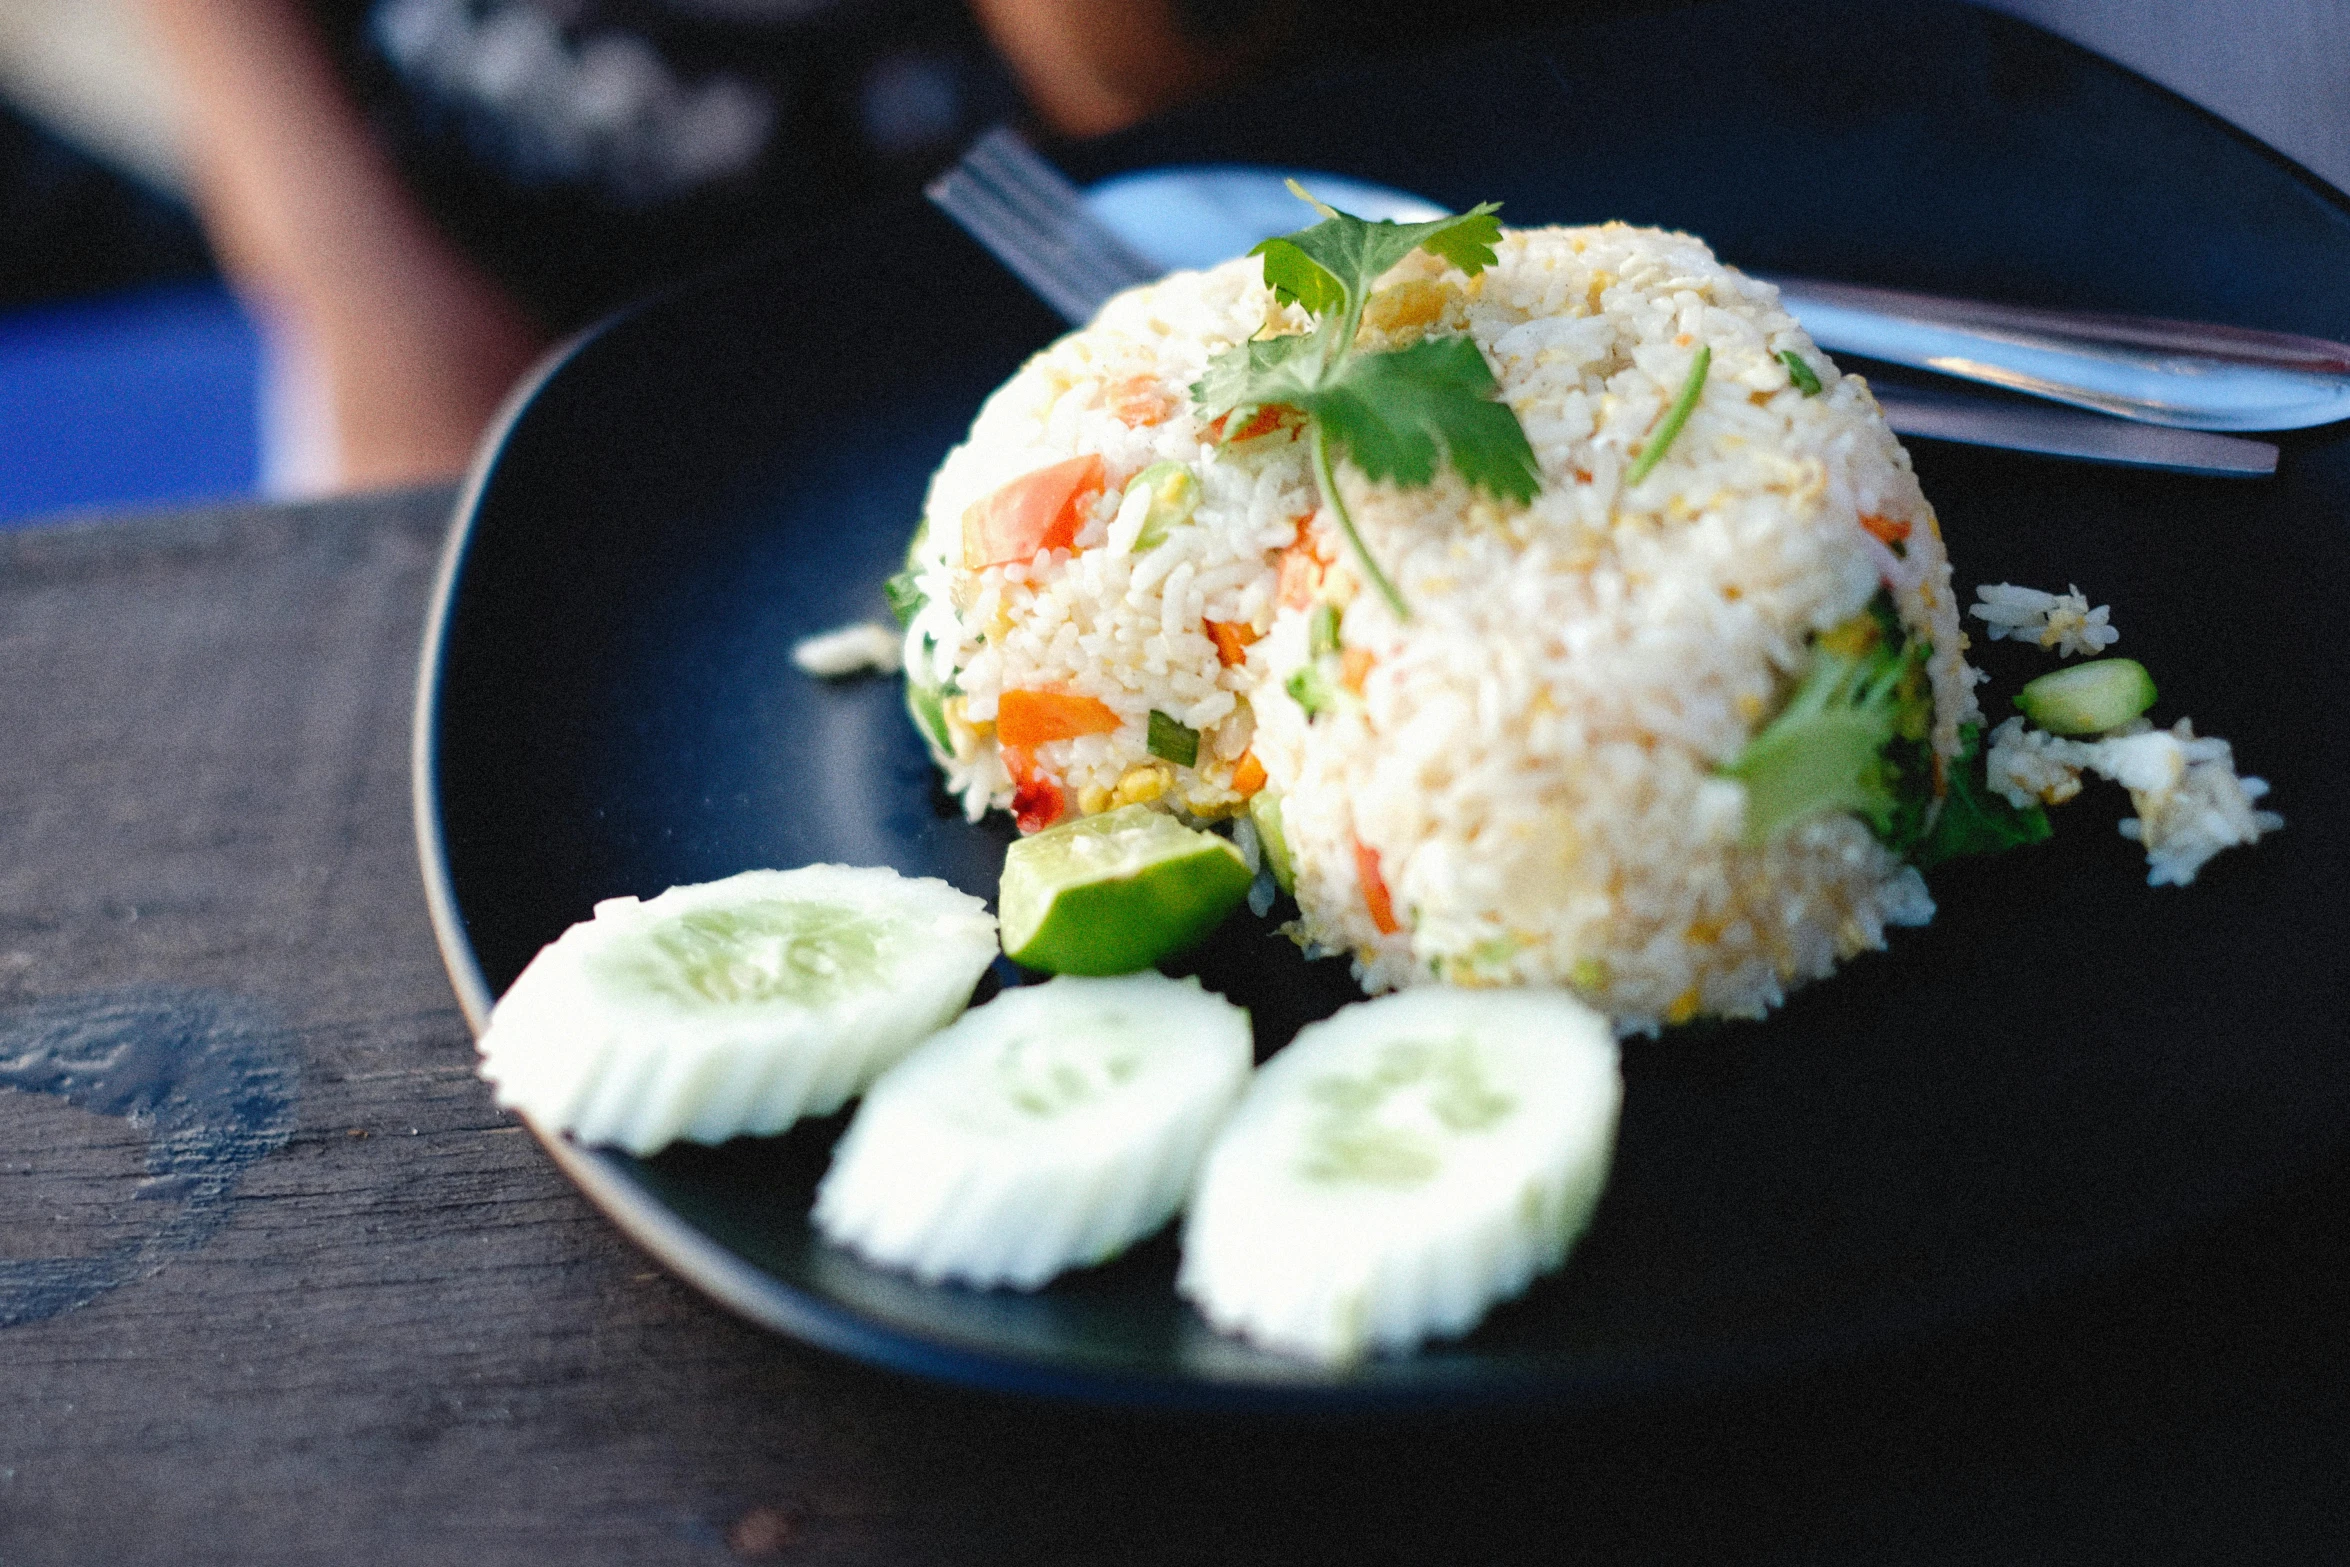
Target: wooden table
[(294, 1291)]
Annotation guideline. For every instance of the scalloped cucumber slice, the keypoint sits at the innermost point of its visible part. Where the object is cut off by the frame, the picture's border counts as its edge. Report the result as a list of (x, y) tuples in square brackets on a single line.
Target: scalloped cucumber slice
[(1401, 1167), (733, 1007), (1047, 1130)]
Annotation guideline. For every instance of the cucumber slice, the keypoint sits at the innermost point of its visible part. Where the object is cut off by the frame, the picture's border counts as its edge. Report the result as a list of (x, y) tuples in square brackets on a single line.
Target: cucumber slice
[(734, 1006), (1117, 892), (1047, 1130), (2088, 699), (1402, 1167)]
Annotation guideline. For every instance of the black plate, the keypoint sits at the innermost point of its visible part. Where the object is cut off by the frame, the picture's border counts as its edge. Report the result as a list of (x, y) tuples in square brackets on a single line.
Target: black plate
[(2066, 1065)]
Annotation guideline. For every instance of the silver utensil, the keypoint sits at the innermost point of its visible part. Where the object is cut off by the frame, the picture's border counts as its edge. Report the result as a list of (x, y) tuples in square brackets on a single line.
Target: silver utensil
[(2068, 432), (2188, 375), (1029, 216)]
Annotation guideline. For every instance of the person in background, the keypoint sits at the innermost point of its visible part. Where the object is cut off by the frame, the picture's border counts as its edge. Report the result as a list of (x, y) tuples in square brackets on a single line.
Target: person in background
[(417, 197)]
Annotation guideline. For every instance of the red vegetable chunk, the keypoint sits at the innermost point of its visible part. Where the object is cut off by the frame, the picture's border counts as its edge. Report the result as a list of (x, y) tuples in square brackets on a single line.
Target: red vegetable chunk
[(1037, 511)]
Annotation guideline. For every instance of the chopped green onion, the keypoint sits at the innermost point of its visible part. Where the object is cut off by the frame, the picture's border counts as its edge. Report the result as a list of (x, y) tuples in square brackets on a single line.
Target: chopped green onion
[(1322, 630), (1264, 809), (2088, 699), (1800, 373), (905, 598), (1675, 417), (1174, 493), (1172, 741), (929, 714), (1310, 689)]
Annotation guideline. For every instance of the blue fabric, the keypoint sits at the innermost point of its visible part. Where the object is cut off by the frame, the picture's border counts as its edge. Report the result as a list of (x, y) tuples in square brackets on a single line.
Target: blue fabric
[(144, 398)]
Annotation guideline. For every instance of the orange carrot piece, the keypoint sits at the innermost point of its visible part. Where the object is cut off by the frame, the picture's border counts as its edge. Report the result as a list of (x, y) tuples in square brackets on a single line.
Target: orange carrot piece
[(1884, 528), (1025, 720), (1248, 774), (1037, 511), (1138, 401), (1232, 638), (1375, 896), (1300, 578), (1354, 666)]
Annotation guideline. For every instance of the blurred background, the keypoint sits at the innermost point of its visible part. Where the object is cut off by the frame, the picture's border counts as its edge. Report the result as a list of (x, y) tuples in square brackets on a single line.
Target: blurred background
[(288, 247)]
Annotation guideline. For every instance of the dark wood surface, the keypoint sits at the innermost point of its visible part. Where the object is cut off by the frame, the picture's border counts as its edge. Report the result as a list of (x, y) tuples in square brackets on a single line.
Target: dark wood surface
[(279, 1284)]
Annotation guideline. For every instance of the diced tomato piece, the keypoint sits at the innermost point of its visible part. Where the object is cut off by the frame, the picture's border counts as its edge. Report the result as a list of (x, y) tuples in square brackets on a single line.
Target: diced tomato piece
[(1375, 896), (1264, 421), (1037, 511), (1025, 720), (1248, 774), (1037, 804), (1037, 798), (1232, 638), (1885, 528)]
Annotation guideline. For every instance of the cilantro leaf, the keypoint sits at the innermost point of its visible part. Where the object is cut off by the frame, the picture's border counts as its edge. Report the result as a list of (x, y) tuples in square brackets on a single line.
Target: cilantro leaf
[(905, 597), (1296, 278), (1398, 414), (1976, 819), (1331, 266), (1260, 371)]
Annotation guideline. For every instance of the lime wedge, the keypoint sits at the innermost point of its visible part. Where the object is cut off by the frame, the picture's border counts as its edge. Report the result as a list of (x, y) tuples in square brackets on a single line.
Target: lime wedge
[(1117, 892)]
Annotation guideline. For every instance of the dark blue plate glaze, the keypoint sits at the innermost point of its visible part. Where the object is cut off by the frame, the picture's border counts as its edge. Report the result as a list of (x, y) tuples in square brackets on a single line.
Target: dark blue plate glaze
[(2065, 1067)]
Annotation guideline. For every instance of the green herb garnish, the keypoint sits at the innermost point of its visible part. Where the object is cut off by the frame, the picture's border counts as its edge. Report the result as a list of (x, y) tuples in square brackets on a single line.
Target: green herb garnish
[(1855, 737), (1172, 741), (1675, 417), (905, 599), (1396, 414), (1800, 373), (1976, 819)]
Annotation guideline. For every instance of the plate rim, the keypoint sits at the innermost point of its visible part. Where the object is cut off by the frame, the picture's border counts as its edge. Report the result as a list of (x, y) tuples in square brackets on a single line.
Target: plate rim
[(770, 1302)]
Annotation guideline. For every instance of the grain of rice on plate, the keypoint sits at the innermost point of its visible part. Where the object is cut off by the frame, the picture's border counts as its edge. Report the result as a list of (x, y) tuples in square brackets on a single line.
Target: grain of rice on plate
[(1521, 782)]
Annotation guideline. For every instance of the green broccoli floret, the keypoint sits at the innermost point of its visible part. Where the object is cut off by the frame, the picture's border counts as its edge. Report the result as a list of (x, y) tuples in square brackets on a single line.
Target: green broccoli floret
[(1853, 736), (1828, 748)]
